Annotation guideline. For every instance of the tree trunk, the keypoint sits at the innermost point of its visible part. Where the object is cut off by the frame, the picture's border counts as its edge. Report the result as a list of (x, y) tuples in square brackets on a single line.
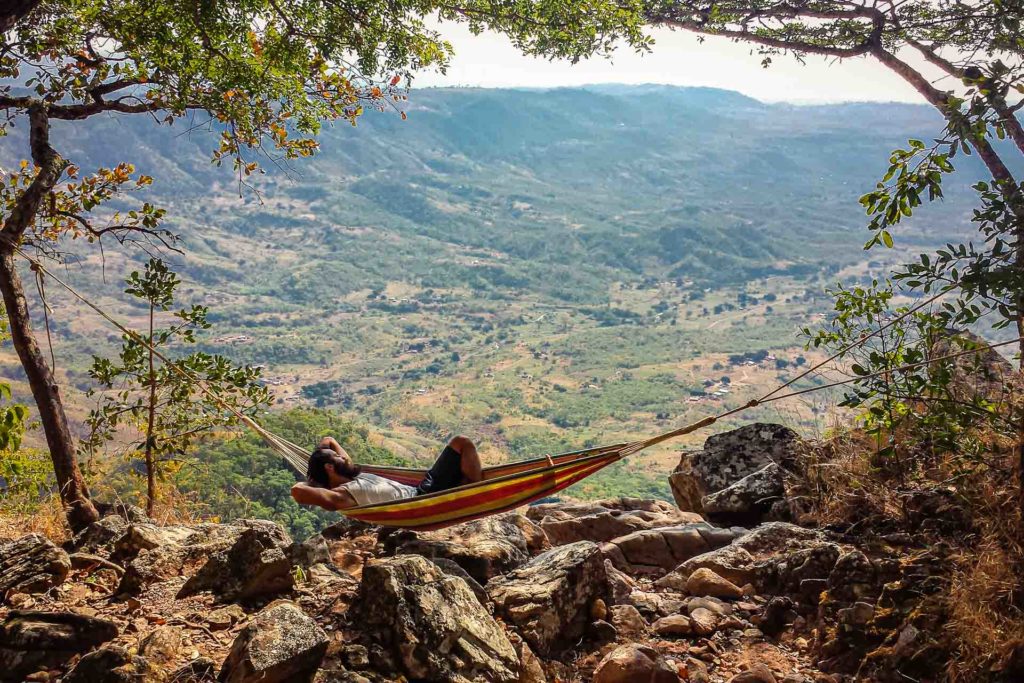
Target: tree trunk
[(14, 11), (73, 492), (151, 420)]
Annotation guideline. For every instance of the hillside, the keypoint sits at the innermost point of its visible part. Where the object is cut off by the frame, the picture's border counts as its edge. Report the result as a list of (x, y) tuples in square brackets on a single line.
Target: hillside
[(542, 269)]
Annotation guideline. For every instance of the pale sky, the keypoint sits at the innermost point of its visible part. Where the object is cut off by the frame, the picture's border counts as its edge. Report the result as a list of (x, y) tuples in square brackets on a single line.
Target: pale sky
[(677, 58)]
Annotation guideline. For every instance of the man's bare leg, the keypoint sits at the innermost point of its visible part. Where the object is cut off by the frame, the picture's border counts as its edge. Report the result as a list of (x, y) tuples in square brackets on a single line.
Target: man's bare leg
[(472, 470)]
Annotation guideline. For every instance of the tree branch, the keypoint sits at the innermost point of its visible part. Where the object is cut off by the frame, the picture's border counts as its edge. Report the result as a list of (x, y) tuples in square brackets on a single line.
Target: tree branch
[(50, 164), (13, 11), (796, 46)]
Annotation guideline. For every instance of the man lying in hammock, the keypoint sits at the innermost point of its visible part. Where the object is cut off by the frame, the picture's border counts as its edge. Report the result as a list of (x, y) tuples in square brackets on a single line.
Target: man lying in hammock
[(335, 482)]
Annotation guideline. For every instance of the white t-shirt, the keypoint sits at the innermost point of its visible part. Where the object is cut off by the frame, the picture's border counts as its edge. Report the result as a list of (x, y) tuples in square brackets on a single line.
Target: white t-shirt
[(368, 489)]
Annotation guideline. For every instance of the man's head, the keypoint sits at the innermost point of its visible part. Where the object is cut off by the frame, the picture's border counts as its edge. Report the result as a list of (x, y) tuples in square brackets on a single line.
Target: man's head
[(329, 469)]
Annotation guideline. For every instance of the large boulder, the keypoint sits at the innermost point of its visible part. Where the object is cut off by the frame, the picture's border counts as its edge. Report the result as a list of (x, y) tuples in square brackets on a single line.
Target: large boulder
[(728, 457), (748, 500), (146, 536), (774, 557), (176, 553), (431, 623), (484, 548), (279, 645), (656, 551), (100, 535), (603, 520), (30, 641), (32, 564), (634, 663), (257, 564), (115, 664), (549, 598)]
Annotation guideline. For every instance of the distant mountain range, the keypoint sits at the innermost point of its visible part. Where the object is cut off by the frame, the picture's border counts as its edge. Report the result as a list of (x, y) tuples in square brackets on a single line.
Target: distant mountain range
[(631, 181)]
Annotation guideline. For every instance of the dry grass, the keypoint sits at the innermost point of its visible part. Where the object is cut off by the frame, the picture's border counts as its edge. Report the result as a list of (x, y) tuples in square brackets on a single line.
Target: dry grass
[(986, 599), (47, 518), (842, 482), (839, 483)]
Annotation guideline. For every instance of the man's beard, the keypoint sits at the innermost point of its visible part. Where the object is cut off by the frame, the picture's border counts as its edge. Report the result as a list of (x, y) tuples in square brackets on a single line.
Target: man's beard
[(349, 470)]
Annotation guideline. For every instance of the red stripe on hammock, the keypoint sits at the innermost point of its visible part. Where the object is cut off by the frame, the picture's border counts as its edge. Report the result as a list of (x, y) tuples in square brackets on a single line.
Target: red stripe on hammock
[(504, 508), (511, 488)]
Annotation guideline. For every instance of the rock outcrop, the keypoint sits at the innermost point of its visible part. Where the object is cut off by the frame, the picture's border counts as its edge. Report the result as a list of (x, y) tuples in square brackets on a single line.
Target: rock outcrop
[(604, 520), (255, 565), (160, 555), (32, 564), (747, 500), (430, 624), (775, 556), (656, 551), (485, 548), (30, 641), (549, 598), (729, 457), (281, 644)]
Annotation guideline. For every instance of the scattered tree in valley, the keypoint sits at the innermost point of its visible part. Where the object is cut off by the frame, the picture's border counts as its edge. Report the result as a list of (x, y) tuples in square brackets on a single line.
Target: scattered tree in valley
[(165, 406)]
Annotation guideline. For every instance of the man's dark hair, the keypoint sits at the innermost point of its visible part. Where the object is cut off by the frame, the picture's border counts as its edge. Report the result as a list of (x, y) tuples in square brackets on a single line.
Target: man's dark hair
[(316, 472)]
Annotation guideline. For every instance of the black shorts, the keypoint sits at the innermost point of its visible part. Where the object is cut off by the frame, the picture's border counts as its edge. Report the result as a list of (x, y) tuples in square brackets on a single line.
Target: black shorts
[(445, 473)]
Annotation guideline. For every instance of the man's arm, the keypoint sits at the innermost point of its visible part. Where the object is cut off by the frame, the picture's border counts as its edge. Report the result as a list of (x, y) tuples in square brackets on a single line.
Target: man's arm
[(329, 442), (328, 499)]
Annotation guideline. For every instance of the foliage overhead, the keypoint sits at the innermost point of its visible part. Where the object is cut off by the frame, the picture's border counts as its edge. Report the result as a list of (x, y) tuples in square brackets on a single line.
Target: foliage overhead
[(263, 69)]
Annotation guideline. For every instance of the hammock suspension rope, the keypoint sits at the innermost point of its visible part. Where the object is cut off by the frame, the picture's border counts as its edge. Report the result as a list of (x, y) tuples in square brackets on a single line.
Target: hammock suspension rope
[(503, 487)]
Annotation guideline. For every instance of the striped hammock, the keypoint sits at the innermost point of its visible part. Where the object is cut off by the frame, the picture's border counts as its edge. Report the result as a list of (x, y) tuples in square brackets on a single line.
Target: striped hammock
[(503, 487)]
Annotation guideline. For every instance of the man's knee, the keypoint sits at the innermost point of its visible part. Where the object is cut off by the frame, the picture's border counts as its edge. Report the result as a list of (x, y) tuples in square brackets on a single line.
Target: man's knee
[(461, 444)]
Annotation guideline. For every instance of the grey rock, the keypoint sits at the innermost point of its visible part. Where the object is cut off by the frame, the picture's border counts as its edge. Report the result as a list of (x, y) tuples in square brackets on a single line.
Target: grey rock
[(485, 548), (728, 457), (774, 557), (100, 535), (747, 500), (314, 550), (30, 641), (255, 565), (549, 598), (430, 625), (32, 564), (279, 645), (114, 664), (172, 559), (854, 577), (452, 568), (139, 537)]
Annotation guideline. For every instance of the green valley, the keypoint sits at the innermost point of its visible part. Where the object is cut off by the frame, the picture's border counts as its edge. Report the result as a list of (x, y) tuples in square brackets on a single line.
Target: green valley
[(539, 269)]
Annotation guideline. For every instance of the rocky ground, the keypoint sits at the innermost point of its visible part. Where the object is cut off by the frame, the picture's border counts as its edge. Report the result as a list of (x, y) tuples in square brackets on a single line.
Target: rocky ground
[(722, 586)]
